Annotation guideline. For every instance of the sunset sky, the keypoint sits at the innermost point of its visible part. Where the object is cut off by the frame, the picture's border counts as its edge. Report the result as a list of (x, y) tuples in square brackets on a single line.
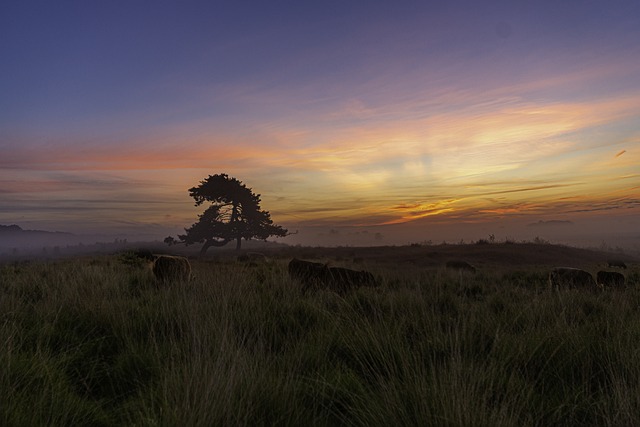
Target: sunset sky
[(379, 122)]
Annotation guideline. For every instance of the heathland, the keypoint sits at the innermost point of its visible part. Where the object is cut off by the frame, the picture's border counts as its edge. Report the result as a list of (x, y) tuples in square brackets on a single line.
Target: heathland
[(96, 341)]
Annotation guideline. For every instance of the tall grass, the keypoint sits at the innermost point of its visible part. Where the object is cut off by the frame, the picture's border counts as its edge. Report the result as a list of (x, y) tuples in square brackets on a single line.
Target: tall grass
[(96, 342)]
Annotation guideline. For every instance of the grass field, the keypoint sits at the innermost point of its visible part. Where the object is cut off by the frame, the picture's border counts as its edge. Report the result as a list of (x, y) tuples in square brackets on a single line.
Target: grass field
[(95, 342)]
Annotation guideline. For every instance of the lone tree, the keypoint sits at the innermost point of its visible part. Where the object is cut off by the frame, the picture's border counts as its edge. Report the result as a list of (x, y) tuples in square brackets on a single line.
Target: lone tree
[(234, 214)]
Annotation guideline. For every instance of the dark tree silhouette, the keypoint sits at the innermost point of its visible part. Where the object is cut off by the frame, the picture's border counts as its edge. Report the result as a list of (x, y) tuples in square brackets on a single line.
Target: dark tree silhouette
[(234, 214)]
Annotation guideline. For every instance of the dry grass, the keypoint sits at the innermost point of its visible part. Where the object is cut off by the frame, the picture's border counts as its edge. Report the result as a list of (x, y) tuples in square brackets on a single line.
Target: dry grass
[(97, 342)]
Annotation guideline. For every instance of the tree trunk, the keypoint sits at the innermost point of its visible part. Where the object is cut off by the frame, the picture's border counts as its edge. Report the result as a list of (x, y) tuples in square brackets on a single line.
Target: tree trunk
[(234, 218), (204, 248), (209, 243)]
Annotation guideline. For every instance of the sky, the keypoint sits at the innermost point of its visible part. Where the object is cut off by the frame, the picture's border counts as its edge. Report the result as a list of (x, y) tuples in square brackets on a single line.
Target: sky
[(378, 122)]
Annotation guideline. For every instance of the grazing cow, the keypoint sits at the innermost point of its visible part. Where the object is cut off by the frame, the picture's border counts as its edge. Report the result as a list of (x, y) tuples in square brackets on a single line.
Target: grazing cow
[(617, 263), (610, 278), (320, 276), (461, 266), (253, 258), (344, 279), (571, 278), (168, 268), (310, 274)]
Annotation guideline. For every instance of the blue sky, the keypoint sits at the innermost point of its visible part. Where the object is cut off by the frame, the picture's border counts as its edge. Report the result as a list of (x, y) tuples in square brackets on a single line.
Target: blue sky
[(412, 114)]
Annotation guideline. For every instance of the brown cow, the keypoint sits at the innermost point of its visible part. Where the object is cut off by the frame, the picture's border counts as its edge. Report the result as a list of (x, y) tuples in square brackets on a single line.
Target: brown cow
[(461, 266), (320, 276), (571, 278), (610, 278), (342, 280), (253, 258), (616, 263), (310, 274), (169, 268)]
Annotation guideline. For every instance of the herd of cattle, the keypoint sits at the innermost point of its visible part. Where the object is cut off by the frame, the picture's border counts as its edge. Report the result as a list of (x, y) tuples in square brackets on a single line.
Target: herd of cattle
[(315, 275), (312, 275), (577, 278)]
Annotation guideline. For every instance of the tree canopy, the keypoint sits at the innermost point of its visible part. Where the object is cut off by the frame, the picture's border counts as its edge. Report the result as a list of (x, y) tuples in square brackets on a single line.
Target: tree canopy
[(234, 214)]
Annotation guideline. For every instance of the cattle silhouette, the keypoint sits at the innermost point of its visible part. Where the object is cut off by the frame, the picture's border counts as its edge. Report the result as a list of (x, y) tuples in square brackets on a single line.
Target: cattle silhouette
[(610, 278), (169, 268), (616, 263), (315, 275), (310, 274), (342, 280), (568, 277), (253, 258), (461, 266)]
